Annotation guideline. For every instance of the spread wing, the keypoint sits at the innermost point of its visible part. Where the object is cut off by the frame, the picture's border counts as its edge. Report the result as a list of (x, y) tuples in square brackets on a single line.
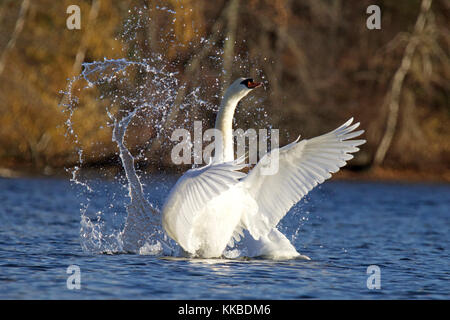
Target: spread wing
[(302, 165), (192, 192)]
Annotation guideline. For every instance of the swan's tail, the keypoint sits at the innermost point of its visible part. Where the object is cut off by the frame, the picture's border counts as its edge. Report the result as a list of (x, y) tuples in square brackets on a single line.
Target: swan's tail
[(272, 246)]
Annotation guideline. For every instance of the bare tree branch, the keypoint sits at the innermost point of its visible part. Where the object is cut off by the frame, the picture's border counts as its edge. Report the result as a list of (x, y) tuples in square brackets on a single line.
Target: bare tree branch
[(393, 97), (17, 30), (81, 53), (232, 15)]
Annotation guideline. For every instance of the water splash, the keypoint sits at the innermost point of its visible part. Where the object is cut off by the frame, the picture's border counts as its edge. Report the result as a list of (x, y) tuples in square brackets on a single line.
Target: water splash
[(142, 231), (143, 91)]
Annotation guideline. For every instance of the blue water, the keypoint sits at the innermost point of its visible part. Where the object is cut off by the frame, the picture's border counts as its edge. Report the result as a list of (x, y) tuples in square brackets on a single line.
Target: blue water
[(343, 226)]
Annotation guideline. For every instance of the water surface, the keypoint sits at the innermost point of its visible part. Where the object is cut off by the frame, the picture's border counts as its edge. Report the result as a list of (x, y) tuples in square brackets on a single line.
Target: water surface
[(343, 226)]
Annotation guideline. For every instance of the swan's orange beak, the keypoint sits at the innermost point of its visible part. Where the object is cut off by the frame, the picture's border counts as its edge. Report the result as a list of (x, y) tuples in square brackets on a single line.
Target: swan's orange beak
[(253, 85)]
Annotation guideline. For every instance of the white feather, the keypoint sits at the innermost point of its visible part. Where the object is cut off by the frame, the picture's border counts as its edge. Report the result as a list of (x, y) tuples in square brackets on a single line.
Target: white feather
[(216, 205)]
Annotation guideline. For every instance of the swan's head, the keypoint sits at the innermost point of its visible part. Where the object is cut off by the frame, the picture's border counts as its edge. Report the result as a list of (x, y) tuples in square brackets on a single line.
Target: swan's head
[(240, 88)]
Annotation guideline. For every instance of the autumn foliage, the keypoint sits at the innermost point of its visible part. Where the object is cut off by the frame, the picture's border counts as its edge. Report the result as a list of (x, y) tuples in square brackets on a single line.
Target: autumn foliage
[(319, 62)]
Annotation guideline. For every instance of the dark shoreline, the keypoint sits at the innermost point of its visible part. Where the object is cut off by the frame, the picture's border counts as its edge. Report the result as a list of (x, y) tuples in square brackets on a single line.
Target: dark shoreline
[(371, 175)]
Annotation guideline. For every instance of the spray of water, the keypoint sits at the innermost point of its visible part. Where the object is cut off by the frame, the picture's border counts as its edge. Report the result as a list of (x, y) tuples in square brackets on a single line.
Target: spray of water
[(145, 91), (142, 229)]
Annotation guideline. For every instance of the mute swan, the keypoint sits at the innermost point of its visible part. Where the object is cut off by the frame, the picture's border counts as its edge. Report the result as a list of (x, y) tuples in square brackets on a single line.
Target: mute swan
[(212, 206)]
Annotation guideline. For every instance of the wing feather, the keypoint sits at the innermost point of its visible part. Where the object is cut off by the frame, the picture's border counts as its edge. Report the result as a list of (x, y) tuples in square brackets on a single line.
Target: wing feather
[(303, 164), (191, 194)]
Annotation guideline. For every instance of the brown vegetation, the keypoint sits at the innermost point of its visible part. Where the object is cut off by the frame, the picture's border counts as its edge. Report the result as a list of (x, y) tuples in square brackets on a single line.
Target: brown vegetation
[(320, 63)]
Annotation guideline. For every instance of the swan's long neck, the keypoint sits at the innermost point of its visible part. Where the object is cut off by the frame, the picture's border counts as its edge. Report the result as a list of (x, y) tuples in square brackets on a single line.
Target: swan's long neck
[(224, 123)]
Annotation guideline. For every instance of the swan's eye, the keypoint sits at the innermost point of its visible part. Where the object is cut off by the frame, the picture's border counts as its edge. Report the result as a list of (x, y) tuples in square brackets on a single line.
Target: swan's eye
[(246, 82), (250, 84)]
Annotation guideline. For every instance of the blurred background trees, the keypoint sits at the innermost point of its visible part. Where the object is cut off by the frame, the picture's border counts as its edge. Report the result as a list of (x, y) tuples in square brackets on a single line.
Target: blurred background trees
[(319, 62)]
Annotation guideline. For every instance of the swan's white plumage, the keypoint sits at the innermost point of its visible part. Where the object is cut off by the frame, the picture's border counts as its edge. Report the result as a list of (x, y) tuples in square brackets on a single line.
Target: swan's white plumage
[(273, 245), (302, 166), (190, 211), (217, 205)]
